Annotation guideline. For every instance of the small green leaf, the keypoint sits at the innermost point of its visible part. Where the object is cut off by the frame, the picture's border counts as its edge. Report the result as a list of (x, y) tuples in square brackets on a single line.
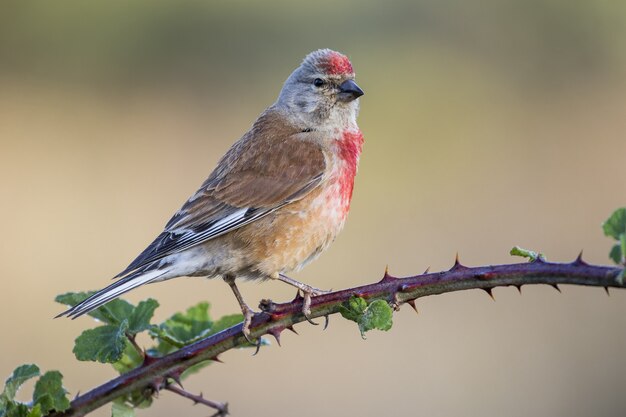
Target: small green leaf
[(353, 309), (197, 313), (121, 409), (183, 328), (526, 253), (140, 398), (113, 312), (615, 225), (20, 375), (139, 319), (35, 411), (15, 409), (378, 315), (194, 369), (72, 298), (103, 344), (616, 253), (225, 322), (130, 359), (50, 394)]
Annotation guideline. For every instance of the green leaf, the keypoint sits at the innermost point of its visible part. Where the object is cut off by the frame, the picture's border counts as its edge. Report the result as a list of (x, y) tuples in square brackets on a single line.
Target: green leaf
[(378, 315), (130, 359), (20, 375), (35, 411), (616, 253), (50, 394), (225, 322), (526, 253), (353, 309), (139, 319), (114, 312), (183, 328), (194, 369), (140, 398), (15, 409), (121, 409), (103, 344), (197, 313), (615, 225)]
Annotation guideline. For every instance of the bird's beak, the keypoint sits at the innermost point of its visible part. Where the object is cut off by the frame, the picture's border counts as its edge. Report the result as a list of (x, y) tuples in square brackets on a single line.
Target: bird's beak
[(348, 91)]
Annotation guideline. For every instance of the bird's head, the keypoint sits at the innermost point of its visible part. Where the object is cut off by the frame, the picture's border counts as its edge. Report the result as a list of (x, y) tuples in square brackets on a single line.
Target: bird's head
[(321, 92)]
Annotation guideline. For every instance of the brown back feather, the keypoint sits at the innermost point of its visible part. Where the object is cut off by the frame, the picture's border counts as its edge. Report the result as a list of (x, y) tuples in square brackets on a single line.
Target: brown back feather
[(272, 163), (270, 166)]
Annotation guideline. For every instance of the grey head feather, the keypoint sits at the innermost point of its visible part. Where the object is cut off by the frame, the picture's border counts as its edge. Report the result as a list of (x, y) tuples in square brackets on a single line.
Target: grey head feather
[(316, 107)]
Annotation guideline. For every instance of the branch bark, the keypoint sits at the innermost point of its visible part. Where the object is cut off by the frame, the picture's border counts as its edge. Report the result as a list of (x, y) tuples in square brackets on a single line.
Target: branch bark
[(155, 372)]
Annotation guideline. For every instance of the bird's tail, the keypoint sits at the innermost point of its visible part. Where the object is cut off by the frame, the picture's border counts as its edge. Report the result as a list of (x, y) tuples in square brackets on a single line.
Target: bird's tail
[(112, 291)]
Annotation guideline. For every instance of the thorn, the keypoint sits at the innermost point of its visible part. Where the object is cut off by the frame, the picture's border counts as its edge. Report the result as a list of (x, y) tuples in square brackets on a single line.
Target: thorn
[(258, 347), (579, 260), (176, 379), (556, 287), (607, 291), (77, 395), (426, 271), (291, 328), (386, 276), (488, 291), (326, 321), (457, 264), (216, 359), (519, 288), (412, 304), (155, 388), (276, 333)]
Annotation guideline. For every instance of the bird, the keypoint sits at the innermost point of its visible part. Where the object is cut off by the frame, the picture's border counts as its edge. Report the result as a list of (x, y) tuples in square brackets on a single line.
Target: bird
[(275, 201)]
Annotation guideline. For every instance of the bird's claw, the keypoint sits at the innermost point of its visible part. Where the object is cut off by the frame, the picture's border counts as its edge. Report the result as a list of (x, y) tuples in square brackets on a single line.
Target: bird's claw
[(248, 314), (306, 308), (306, 305), (308, 292)]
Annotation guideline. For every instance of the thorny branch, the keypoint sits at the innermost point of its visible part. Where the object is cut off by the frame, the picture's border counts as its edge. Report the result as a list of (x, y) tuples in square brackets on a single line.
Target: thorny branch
[(222, 408), (156, 373)]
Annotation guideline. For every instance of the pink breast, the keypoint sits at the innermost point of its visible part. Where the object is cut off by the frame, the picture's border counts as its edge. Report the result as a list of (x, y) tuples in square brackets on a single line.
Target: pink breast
[(349, 149)]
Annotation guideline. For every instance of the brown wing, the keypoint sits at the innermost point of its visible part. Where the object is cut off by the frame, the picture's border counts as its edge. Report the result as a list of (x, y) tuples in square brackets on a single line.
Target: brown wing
[(272, 165)]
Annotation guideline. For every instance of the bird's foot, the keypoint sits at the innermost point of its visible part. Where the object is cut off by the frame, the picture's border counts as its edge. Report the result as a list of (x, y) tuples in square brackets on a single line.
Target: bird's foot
[(308, 293), (248, 314)]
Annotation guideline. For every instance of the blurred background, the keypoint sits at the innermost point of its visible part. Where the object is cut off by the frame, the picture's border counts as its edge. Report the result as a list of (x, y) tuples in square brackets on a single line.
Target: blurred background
[(488, 124)]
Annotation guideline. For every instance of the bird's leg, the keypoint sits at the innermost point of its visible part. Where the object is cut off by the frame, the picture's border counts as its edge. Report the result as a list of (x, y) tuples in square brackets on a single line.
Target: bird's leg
[(248, 313), (308, 292)]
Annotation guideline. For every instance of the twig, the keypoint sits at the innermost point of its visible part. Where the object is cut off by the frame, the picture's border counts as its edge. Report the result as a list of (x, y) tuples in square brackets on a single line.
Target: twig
[(278, 317), (131, 338), (222, 408)]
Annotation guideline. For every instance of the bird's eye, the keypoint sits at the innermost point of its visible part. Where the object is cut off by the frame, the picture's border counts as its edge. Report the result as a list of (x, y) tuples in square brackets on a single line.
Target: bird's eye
[(318, 82)]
